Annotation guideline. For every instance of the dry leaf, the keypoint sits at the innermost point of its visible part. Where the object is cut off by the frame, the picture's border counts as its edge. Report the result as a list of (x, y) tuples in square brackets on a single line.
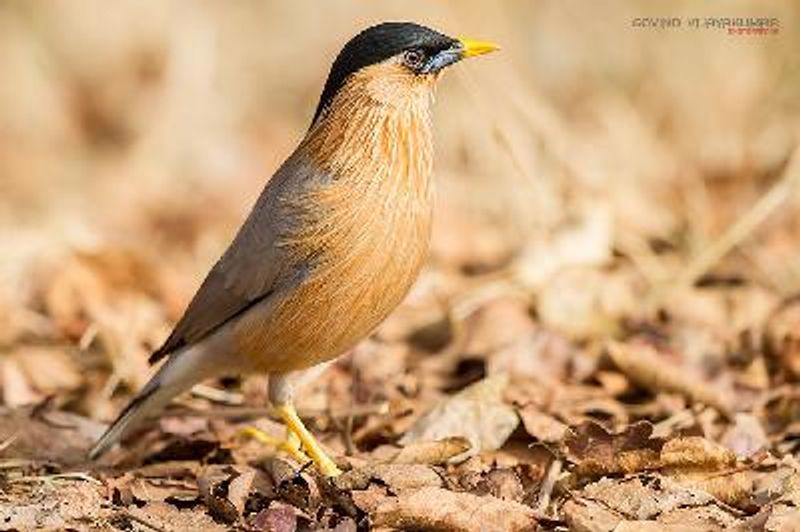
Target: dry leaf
[(395, 476), (584, 515), (55, 506), (431, 452), (164, 516), (367, 500), (279, 517), (746, 437), (782, 338), (17, 390), (145, 490), (440, 509), (541, 356), (483, 335), (541, 426), (643, 498), (584, 243), (735, 488), (56, 436), (476, 413), (597, 452), (695, 452), (50, 370), (642, 364), (226, 489), (124, 173)]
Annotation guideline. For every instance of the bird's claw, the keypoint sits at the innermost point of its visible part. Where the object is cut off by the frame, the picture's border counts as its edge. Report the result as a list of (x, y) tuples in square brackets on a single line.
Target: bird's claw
[(295, 426), (293, 446), (290, 445)]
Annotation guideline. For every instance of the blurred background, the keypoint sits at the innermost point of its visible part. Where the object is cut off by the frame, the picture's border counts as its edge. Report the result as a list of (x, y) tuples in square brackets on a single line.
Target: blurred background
[(587, 169)]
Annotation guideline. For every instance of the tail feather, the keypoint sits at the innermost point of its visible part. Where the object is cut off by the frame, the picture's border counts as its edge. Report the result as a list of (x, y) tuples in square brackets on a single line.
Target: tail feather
[(177, 375), (145, 403)]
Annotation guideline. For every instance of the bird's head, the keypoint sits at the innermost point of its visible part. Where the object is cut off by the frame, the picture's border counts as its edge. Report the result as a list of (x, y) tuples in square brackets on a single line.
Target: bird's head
[(394, 61)]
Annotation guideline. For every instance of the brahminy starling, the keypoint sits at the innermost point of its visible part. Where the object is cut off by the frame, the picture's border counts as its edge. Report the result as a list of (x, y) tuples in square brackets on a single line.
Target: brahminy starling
[(334, 241)]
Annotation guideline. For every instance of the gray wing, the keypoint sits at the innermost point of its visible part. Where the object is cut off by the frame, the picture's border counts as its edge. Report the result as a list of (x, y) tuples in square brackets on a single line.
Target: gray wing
[(249, 271)]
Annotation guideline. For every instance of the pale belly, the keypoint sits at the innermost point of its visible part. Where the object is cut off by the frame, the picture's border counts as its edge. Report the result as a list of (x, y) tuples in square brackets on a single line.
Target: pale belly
[(344, 298)]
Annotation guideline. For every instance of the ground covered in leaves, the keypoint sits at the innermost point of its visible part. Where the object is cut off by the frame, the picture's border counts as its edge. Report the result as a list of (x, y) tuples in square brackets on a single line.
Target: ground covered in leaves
[(607, 336)]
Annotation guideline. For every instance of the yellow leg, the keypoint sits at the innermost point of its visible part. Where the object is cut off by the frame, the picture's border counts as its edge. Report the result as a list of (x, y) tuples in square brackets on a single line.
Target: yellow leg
[(291, 438), (294, 424), (290, 445)]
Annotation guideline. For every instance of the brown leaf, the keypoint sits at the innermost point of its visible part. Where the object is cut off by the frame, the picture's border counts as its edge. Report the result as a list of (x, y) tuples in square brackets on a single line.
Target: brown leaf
[(734, 489), (584, 302), (226, 489), (440, 509), (651, 500), (643, 497), (612, 382), (393, 361), (597, 452), (541, 426), (50, 370), (541, 356), (298, 488), (213, 483), (483, 335), (80, 286), (782, 337), (71, 293), (783, 517), (584, 515), (695, 452), (159, 490), (367, 500), (431, 452), (55, 436), (279, 517), (183, 425), (585, 243), (239, 489), (746, 437), (504, 483), (165, 516), (17, 389), (156, 482), (55, 506), (477, 413), (642, 364), (395, 476), (657, 526)]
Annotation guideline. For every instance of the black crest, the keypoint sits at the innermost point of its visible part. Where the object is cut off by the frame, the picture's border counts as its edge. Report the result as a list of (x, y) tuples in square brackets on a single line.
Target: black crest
[(376, 44)]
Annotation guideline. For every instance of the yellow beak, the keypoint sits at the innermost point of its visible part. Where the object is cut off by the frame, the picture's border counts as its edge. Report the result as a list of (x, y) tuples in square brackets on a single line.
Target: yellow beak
[(473, 47)]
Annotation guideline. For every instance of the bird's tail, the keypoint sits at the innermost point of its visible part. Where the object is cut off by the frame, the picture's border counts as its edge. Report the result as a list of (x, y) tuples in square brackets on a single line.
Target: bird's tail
[(177, 375)]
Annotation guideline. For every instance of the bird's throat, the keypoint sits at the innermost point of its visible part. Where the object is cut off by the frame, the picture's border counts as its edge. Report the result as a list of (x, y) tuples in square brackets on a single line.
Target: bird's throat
[(377, 127)]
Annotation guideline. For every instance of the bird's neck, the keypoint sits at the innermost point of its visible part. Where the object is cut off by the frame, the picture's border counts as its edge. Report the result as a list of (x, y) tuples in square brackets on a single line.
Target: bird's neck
[(377, 127)]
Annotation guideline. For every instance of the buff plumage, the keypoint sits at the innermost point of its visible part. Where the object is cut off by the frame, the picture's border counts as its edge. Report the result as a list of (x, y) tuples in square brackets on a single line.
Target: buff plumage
[(333, 243)]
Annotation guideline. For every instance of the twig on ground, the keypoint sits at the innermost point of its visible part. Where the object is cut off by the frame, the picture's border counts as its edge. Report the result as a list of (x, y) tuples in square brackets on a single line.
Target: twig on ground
[(553, 472), (9, 442), (739, 231), (75, 475)]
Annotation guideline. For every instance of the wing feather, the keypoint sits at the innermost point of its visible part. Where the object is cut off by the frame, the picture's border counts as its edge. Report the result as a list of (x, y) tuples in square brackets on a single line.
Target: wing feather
[(250, 270)]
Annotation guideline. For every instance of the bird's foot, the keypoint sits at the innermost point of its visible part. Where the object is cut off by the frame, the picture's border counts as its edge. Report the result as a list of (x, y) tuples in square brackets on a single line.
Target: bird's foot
[(295, 426), (291, 445)]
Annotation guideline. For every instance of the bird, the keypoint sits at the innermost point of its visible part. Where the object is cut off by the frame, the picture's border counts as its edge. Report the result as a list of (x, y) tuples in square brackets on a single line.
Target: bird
[(333, 243)]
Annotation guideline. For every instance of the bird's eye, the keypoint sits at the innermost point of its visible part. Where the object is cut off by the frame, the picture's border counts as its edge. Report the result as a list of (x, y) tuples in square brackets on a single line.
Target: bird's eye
[(414, 59)]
